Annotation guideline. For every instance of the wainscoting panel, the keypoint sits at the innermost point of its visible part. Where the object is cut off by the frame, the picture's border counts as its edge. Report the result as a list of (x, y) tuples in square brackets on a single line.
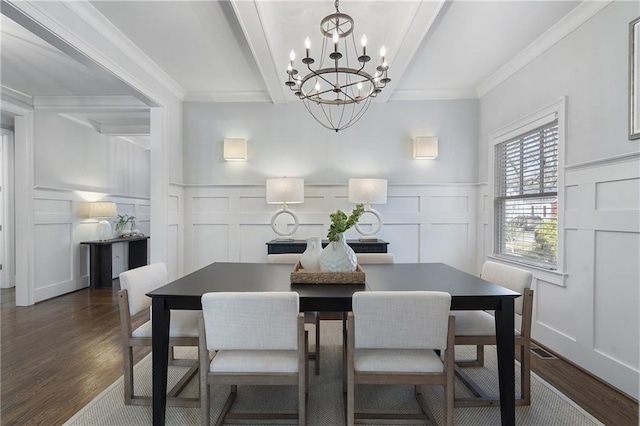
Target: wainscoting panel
[(232, 223), (60, 223), (616, 317), (593, 319)]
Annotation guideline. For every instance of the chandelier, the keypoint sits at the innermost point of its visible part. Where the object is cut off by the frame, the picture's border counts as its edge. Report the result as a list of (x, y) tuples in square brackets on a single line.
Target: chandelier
[(339, 91)]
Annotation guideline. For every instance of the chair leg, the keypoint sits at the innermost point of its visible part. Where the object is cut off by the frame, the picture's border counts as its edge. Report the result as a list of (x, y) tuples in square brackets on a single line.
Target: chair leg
[(317, 366), (127, 358), (204, 401), (303, 389), (525, 373), (478, 362)]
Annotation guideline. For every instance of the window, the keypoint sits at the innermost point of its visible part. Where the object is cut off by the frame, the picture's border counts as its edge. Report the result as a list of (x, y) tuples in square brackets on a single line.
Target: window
[(526, 197)]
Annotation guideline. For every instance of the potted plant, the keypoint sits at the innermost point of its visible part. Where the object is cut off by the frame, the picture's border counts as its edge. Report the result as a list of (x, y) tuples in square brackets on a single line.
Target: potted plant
[(338, 256), (122, 222)]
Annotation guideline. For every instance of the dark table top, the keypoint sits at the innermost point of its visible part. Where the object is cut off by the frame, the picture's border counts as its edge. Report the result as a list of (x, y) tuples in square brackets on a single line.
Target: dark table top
[(464, 288), (116, 240)]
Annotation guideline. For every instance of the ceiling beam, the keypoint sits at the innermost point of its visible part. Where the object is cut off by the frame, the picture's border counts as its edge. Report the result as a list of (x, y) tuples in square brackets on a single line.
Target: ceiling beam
[(251, 23), (416, 34)]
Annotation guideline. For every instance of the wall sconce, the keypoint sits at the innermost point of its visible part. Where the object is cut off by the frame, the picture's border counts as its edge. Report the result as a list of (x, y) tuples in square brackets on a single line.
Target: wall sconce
[(368, 191), (235, 149), (285, 191), (103, 210), (425, 147)]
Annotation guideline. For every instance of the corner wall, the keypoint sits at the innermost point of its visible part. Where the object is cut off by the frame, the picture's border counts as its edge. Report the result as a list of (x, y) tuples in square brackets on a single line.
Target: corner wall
[(593, 319)]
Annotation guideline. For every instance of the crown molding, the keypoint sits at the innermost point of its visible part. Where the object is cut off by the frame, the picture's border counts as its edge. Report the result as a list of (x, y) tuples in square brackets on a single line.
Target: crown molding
[(434, 94), (11, 95), (92, 17), (89, 103), (565, 26), (215, 96)]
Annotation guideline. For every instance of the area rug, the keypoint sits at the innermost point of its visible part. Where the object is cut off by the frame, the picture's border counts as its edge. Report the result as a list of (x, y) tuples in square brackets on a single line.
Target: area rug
[(326, 405)]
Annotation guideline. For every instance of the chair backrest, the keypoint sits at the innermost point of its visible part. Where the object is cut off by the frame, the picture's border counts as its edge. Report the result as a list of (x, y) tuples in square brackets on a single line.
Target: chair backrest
[(401, 319), (251, 320), (506, 276), (375, 258), (288, 258), (140, 281)]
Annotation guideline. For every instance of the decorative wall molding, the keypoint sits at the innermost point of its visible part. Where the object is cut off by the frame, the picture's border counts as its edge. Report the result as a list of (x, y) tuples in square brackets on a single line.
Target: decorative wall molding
[(422, 223), (602, 243), (631, 156), (565, 26), (60, 224)]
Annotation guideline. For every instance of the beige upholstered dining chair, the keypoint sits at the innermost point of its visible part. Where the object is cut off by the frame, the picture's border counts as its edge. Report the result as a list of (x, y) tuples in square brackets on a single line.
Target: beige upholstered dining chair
[(183, 331), (259, 339), (392, 339), (309, 317), (478, 328)]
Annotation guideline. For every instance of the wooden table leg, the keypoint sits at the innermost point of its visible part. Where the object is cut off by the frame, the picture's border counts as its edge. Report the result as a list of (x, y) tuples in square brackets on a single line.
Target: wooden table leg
[(160, 357), (506, 370)]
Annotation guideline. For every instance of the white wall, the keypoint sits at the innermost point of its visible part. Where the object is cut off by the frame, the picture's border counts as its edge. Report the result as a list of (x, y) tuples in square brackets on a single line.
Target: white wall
[(73, 166), (593, 320), (430, 214), (285, 140), (71, 156)]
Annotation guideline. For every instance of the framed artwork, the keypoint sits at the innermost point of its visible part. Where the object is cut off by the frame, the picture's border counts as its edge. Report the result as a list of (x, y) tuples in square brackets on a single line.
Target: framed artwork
[(634, 79)]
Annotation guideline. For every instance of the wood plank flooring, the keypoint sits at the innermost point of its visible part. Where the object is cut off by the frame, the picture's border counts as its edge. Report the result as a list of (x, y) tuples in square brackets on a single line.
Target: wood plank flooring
[(60, 354)]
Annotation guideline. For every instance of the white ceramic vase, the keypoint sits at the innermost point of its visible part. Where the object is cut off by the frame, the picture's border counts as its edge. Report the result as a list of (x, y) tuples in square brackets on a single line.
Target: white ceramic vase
[(310, 259), (338, 257)]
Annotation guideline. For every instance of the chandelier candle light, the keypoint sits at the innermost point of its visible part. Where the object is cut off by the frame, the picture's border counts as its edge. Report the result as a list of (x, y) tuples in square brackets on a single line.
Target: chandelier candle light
[(338, 93)]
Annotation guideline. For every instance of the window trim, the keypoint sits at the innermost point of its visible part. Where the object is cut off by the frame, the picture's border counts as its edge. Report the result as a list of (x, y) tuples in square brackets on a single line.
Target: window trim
[(542, 116)]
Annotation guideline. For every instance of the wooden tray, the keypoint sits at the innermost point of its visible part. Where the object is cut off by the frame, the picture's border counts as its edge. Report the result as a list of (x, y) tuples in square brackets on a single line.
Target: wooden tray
[(300, 276)]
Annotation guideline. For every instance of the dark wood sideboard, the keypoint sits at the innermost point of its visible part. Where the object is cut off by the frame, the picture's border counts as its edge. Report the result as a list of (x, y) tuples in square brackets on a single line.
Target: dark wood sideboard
[(299, 246), (100, 258)]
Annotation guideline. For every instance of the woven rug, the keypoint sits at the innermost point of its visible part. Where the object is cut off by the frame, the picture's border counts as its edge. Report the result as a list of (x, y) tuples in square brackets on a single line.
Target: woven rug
[(325, 405)]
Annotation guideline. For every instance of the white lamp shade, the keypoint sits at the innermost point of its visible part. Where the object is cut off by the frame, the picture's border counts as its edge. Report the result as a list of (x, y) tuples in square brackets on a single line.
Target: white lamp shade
[(285, 190), (368, 191), (425, 147), (102, 209), (235, 149)]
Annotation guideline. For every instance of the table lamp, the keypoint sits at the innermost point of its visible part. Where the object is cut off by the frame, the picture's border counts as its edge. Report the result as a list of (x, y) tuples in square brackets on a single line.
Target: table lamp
[(285, 191), (368, 191), (103, 210)]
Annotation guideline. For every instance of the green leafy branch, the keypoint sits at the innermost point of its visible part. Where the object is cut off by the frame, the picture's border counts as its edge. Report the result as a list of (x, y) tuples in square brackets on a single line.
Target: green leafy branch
[(340, 222)]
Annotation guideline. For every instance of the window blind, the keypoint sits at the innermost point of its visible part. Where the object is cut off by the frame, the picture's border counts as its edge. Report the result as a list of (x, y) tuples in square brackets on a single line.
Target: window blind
[(526, 191)]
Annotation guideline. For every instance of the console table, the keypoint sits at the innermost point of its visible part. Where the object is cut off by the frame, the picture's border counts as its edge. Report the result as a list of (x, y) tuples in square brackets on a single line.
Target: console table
[(299, 246), (100, 255)]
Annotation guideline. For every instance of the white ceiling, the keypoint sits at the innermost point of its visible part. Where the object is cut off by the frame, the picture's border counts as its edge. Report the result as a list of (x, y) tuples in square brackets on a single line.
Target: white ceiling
[(238, 50)]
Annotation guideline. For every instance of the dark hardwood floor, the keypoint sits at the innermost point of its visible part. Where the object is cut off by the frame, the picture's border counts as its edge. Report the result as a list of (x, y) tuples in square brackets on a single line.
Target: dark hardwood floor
[(58, 355)]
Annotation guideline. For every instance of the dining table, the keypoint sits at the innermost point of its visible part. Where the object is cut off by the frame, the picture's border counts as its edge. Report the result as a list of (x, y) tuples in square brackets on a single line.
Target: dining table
[(468, 292)]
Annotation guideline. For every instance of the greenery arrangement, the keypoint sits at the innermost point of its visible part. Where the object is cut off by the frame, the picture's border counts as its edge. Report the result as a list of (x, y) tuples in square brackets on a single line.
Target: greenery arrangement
[(123, 219), (340, 222)]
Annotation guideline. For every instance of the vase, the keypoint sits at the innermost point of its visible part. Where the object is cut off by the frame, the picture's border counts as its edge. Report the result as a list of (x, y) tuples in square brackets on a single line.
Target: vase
[(337, 256), (310, 259)]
